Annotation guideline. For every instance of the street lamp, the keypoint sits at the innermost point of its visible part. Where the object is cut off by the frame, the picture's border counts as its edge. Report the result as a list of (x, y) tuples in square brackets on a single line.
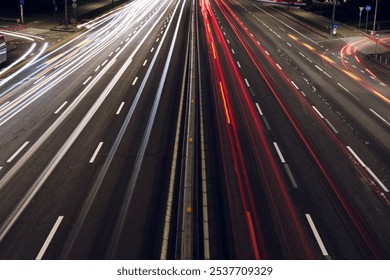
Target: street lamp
[(360, 16), (333, 16), (21, 2), (334, 10), (66, 14), (376, 8), (368, 9)]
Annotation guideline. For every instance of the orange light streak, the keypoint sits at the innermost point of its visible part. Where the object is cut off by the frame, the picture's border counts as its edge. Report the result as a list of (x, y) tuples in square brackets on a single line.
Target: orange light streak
[(356, 78), (224, 103), (213, 48)]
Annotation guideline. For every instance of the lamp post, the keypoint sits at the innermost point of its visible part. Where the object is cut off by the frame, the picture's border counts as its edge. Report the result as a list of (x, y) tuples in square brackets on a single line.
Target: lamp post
[(360, 16), (334, 10), (55, 10), (368, 8), (21, 2), (376, 8), (66, 14), (376, 44), (333, 16)]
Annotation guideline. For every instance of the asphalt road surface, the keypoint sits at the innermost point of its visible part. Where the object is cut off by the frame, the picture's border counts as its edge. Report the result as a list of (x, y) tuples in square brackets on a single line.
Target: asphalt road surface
[(195, 129)]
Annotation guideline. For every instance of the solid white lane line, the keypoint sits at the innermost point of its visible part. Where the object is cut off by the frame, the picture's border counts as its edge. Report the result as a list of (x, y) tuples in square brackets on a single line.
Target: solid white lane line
[(317, 111), (379, 116), (49, 238), (135, 81), (279, 152), (96, 152), (368, 169), (87, 80), (316, 235), (18, 151), (60, 108), (120, 108)]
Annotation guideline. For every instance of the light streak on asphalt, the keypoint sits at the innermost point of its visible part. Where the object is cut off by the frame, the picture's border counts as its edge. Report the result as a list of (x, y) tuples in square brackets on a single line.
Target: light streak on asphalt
[(22, 204)]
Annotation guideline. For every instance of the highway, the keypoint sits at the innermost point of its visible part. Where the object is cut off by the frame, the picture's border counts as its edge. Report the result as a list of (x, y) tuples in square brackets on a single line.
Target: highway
[(95, 124), (310, 136), (195, 129)]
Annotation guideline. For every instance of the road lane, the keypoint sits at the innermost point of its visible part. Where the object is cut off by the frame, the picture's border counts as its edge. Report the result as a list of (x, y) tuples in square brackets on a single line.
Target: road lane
[(307, 126), (123, 89)]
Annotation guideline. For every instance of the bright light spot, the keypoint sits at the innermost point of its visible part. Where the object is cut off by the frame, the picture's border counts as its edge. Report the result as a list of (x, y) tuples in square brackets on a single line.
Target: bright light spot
[(309, 47), (293, 37)]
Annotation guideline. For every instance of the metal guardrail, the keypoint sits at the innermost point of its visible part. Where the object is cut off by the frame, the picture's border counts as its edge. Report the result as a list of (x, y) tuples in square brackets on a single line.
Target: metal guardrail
[(381, 60)]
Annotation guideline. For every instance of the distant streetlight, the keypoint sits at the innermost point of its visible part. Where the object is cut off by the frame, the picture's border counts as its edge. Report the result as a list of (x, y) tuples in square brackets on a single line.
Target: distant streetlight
[(55, 10), (360, 16), (66, 14), (74, 5), (376, 8), (21, 2), (333, 17), (368, 9)]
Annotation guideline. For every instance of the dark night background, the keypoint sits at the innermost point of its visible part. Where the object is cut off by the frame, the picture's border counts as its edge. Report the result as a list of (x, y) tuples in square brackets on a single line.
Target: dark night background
[(347, 12), (384, 5), (36, 6)]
